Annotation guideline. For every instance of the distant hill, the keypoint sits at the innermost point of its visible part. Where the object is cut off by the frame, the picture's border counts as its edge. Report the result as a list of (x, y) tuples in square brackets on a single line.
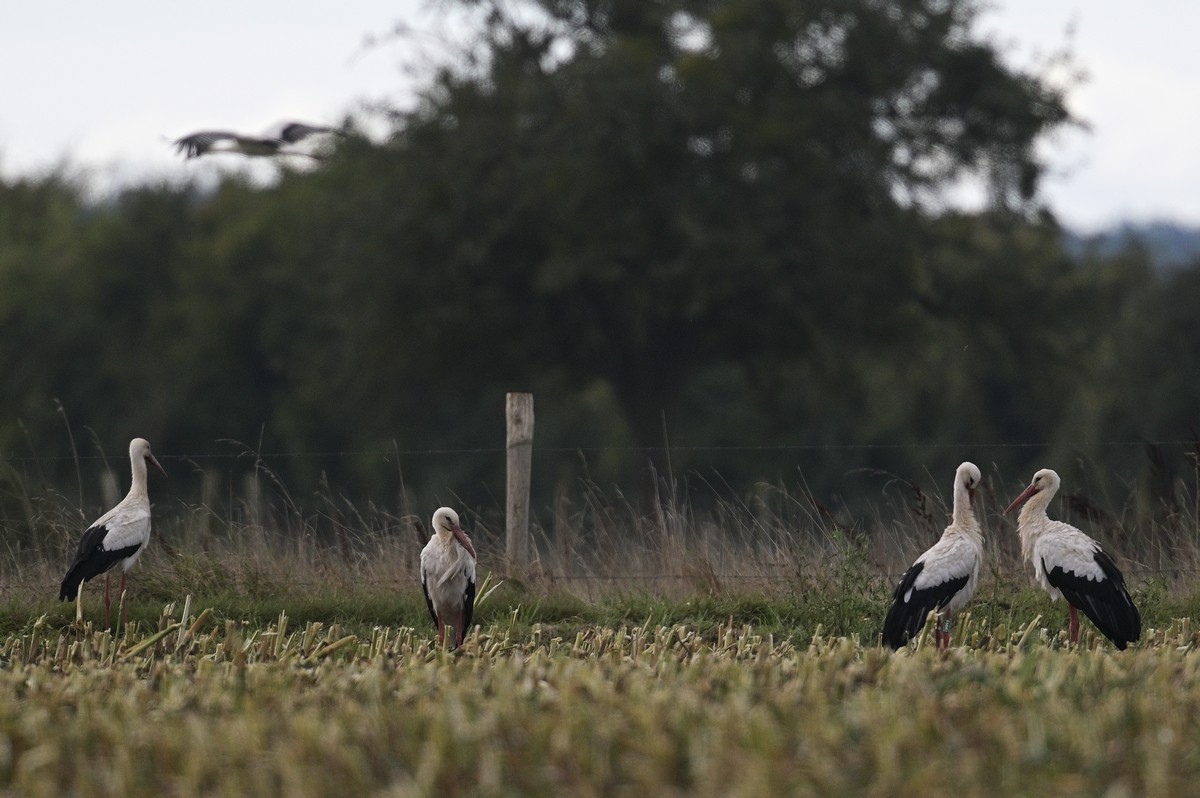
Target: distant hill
[(1169, 244)]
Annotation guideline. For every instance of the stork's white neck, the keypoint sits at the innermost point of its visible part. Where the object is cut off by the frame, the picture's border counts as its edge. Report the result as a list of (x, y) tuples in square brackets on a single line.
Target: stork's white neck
[(1034, 508), (963, 512), (138, 465), (963, 521), (1033, 520)]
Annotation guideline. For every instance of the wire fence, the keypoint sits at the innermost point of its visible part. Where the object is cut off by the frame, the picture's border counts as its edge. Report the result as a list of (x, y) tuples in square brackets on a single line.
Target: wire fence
[(414, 581), (249, 454)]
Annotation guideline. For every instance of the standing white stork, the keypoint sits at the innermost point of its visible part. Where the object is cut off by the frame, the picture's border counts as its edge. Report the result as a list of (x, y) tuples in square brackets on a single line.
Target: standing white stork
[(945, 576), (275, 141), (119, 536), (1072, 566), (448, 576)]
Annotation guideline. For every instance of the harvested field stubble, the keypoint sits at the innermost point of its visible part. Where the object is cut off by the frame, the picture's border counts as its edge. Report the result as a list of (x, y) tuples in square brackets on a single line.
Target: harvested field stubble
[(218, 707)]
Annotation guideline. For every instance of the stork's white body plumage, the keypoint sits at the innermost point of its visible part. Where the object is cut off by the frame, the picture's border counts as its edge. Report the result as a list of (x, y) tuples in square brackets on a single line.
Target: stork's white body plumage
[(1058, 544), (117, 538), (1070, 565), (944, 578), (448, 576), (278, 140)]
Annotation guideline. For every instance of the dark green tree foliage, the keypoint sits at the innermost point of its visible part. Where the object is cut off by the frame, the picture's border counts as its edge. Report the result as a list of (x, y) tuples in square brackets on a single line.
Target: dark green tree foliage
[(38, 259), (657, 184), (130, 315), (667, 195)]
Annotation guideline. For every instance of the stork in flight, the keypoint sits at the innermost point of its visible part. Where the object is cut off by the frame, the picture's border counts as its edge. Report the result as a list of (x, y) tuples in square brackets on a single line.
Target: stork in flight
[(119, 536), (448, 576), (945, 576), (277, 140), (1072, 566)]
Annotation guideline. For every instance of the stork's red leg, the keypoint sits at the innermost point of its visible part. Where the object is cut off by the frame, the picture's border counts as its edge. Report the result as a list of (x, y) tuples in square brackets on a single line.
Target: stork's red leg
[(1073, 626), (441, 631), (944, 627), (122, 598), (107, 601)]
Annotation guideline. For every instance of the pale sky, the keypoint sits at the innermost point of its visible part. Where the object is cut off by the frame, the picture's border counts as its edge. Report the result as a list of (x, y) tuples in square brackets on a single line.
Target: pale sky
[(1140, 161), (100, 85)]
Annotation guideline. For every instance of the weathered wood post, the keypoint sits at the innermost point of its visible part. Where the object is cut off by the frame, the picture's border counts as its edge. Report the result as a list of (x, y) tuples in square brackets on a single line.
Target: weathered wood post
[(252, 499), (210, 496), (110, 488), (519, 417)]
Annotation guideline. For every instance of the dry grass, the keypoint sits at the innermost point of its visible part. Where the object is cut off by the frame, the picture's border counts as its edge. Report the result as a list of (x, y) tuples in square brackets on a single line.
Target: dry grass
[(285, 687), (246, 533), (200, 707), (777, 558)]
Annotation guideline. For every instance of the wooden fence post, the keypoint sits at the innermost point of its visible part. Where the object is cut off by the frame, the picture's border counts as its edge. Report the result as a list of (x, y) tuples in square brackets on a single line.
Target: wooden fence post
[(110, 489), (252, 498), (210, 496), (518, 409)]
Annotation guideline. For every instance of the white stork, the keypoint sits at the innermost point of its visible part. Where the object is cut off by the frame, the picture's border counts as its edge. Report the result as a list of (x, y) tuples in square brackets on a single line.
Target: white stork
[(1071, 565), (119, 536), (448, 576), (945, 576), (275, 141)]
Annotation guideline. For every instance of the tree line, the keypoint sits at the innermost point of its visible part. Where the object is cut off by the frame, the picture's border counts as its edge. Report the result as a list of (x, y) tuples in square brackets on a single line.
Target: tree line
[(683, 225)]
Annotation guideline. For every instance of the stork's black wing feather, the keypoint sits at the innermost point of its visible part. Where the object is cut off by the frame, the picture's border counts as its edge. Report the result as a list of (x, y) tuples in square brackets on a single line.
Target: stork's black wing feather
[(906, 617), (91, 540), (429, 601), (91, 559), (199, 143), (1106, 602), (468, 606), (298, 131)]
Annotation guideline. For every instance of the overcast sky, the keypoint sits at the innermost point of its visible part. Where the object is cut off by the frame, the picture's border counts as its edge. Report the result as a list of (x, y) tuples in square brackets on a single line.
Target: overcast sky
[(99, 85)]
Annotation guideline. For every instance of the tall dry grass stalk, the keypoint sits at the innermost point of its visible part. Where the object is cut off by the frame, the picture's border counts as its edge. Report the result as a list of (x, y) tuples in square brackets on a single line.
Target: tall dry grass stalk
[(251, 535)]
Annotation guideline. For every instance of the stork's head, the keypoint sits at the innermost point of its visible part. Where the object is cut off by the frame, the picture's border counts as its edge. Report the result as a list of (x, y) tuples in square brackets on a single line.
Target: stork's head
[(1045, 482), (445, 525), (969, 476), (139, 451)]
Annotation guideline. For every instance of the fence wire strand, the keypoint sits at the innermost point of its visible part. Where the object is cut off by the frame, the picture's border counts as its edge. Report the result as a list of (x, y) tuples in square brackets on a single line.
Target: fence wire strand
[(411, 583), (497, 450)]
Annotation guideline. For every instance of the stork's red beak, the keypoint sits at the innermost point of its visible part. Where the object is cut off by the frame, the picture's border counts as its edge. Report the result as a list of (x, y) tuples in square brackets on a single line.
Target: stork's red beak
[(462, 538), (157, 465), (1025, 494)]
